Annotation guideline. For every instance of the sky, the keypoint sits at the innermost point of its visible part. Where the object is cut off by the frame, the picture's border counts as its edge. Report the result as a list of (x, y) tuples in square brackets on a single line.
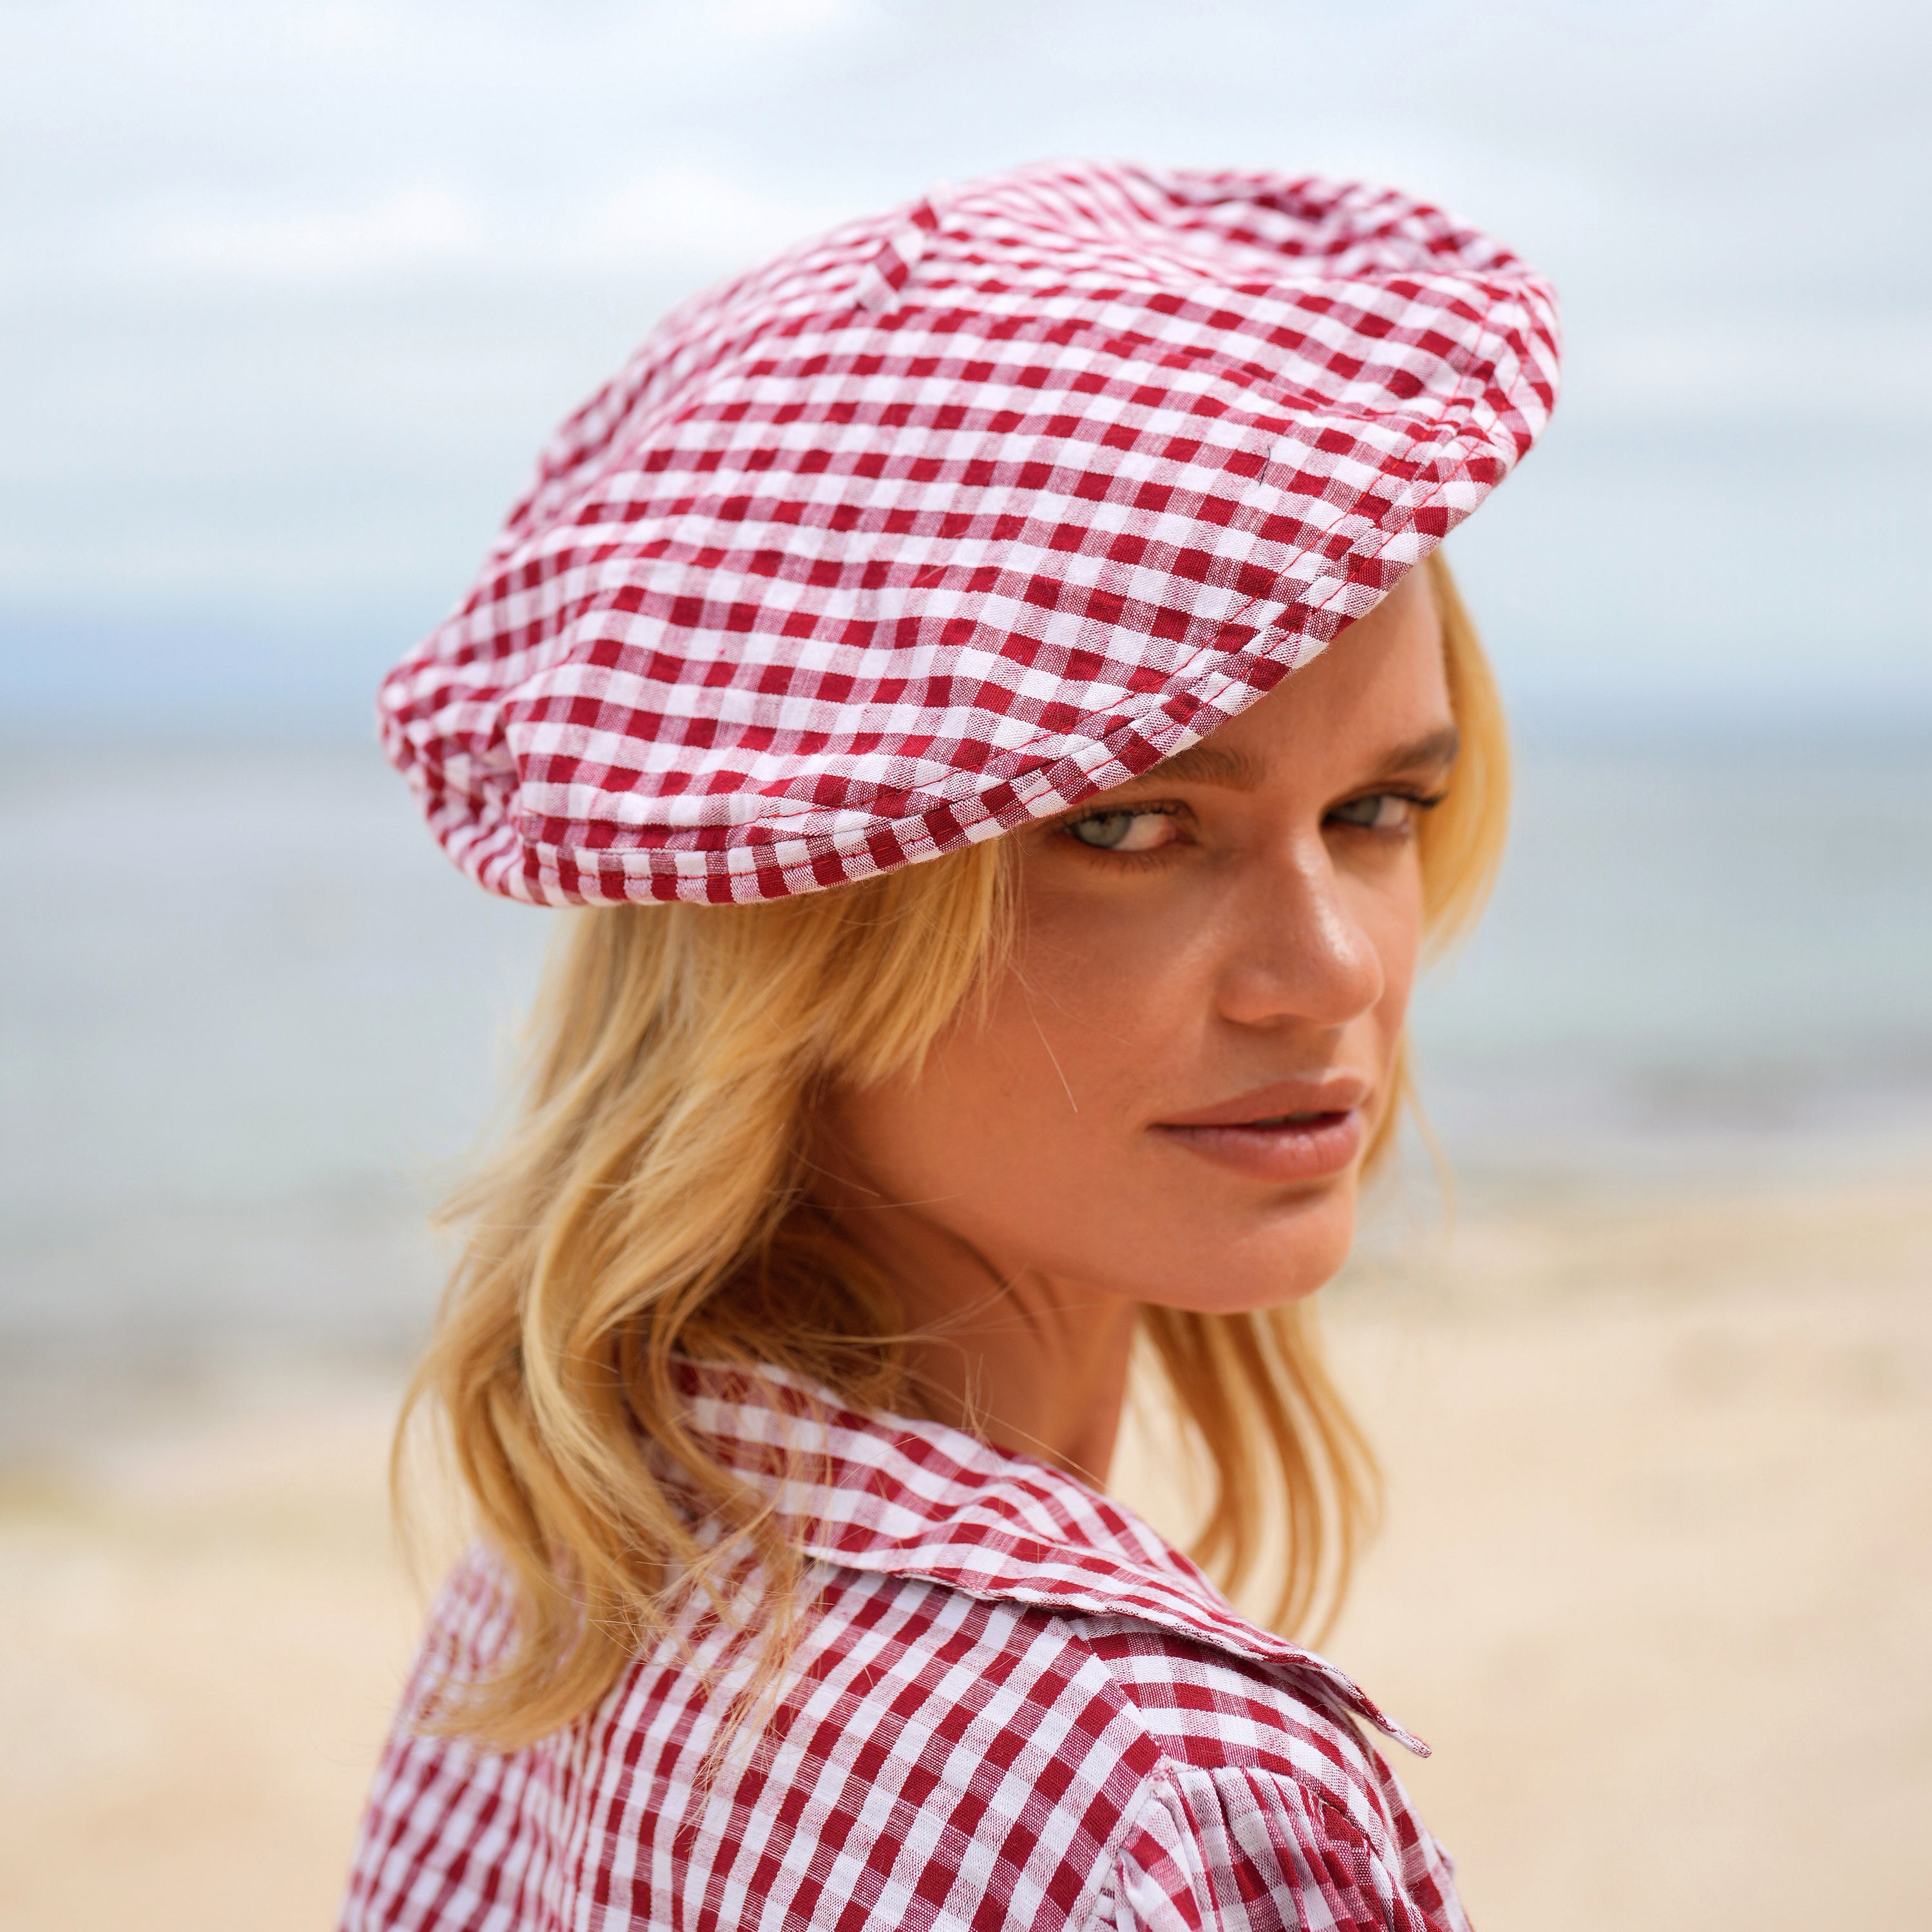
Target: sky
[(289, 296)]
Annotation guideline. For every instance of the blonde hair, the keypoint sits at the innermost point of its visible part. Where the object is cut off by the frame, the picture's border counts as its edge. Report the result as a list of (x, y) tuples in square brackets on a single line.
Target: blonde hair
[(650, 1205)]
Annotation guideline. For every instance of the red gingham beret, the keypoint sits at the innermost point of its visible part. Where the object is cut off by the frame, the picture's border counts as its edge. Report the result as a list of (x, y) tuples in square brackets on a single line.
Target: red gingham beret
[(957, 515)]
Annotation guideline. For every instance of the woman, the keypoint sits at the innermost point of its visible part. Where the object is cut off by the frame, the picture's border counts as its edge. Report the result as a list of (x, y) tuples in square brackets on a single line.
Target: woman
[(998, 964)]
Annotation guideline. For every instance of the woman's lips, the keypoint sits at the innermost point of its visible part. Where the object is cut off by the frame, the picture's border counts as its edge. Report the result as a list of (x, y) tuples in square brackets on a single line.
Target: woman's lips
[(1293, 1130), (1307, 1147)]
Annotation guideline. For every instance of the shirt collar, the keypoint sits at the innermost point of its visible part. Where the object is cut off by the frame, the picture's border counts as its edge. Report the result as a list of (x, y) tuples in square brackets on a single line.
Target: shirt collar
[(900, 1497)]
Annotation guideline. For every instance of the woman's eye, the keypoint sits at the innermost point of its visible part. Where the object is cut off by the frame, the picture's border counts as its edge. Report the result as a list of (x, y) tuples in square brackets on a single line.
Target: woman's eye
[(1380, 812), (1125, 831)]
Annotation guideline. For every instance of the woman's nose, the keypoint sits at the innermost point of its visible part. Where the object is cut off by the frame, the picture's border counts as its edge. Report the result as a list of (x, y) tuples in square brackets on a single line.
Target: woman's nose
[(1296, 951)]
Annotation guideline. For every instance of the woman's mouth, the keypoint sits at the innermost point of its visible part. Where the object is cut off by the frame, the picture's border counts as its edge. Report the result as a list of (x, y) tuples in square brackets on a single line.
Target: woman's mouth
[(1298, 1130)]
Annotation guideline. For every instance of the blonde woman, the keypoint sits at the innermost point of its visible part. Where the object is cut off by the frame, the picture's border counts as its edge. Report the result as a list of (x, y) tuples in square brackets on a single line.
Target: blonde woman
[(993, 962)]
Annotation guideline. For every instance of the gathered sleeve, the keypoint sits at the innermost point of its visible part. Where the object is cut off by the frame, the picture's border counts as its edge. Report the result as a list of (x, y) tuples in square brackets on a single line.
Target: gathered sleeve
[(1243, 1850)]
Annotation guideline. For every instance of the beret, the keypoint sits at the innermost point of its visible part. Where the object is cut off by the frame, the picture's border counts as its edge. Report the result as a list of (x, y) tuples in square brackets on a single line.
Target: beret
[(956, 515)]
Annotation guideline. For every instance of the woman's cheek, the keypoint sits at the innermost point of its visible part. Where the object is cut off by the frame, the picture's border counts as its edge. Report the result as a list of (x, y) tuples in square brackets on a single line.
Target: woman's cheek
[(1396, 935), (1112, 964)]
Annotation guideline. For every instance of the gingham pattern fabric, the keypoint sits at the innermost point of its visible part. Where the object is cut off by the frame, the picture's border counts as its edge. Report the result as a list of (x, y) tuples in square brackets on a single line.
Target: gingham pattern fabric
[(951, 518), (1015, 1707)]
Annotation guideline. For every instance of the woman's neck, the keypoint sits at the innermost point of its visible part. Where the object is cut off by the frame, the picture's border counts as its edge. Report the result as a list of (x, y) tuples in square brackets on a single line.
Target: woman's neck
[(1028, 1362), (1035, 1370)]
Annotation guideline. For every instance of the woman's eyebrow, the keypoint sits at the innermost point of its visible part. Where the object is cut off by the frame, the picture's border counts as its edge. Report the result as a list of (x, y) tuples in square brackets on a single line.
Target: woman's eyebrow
[(1437, 748), (1211, 764)]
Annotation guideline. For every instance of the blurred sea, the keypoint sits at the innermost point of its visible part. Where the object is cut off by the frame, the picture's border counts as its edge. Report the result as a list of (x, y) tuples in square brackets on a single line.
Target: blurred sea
[(249, 1019)]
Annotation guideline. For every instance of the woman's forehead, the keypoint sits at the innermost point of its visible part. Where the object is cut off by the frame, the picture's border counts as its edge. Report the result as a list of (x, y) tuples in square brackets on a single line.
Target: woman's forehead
[(1380, 692)]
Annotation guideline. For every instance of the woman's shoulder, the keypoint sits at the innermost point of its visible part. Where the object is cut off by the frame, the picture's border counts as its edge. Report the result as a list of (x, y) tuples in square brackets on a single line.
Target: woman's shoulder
[(920, 1504), (1002, 1606), (1194, 1749), (1012, 1702), (1008, 1760)]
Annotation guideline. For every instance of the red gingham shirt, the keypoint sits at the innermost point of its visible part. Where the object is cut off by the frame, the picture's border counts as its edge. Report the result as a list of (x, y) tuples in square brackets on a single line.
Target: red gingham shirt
[(1014, 1706)]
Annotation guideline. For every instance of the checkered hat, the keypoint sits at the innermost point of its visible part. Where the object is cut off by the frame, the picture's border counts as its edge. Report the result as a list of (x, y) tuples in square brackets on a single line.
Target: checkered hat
[(957, 515)]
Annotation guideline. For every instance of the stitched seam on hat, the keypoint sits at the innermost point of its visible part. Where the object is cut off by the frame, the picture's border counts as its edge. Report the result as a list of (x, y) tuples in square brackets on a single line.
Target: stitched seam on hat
[(967, 808), (743, 853), (889, 811), (969, 789), (1400, 517)]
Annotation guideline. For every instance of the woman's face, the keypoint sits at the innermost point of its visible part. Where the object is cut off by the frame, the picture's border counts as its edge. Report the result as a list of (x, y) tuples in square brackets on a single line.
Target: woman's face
[(1169, 1099)]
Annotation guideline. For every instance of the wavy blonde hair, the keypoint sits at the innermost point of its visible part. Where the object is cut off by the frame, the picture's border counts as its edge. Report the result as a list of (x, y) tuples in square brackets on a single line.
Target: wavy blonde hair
[(651, 1204)]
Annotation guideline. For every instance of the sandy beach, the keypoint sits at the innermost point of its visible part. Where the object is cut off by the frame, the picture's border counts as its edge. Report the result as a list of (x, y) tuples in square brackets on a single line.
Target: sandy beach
[(1655, 1583)]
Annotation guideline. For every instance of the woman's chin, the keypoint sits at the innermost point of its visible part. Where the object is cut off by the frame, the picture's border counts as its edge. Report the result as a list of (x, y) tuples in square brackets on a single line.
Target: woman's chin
[(1236, 1266)]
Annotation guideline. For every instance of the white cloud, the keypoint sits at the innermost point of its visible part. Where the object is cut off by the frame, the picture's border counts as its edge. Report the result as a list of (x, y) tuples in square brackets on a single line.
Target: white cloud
[(344, 27), (326, 272), (684, 218), (779, 20), (1822, 367), (408, 228), (694, 214)]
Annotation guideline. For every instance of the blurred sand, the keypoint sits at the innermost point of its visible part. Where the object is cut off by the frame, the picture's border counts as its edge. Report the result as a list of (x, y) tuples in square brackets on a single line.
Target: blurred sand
[(1657, 1583)]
